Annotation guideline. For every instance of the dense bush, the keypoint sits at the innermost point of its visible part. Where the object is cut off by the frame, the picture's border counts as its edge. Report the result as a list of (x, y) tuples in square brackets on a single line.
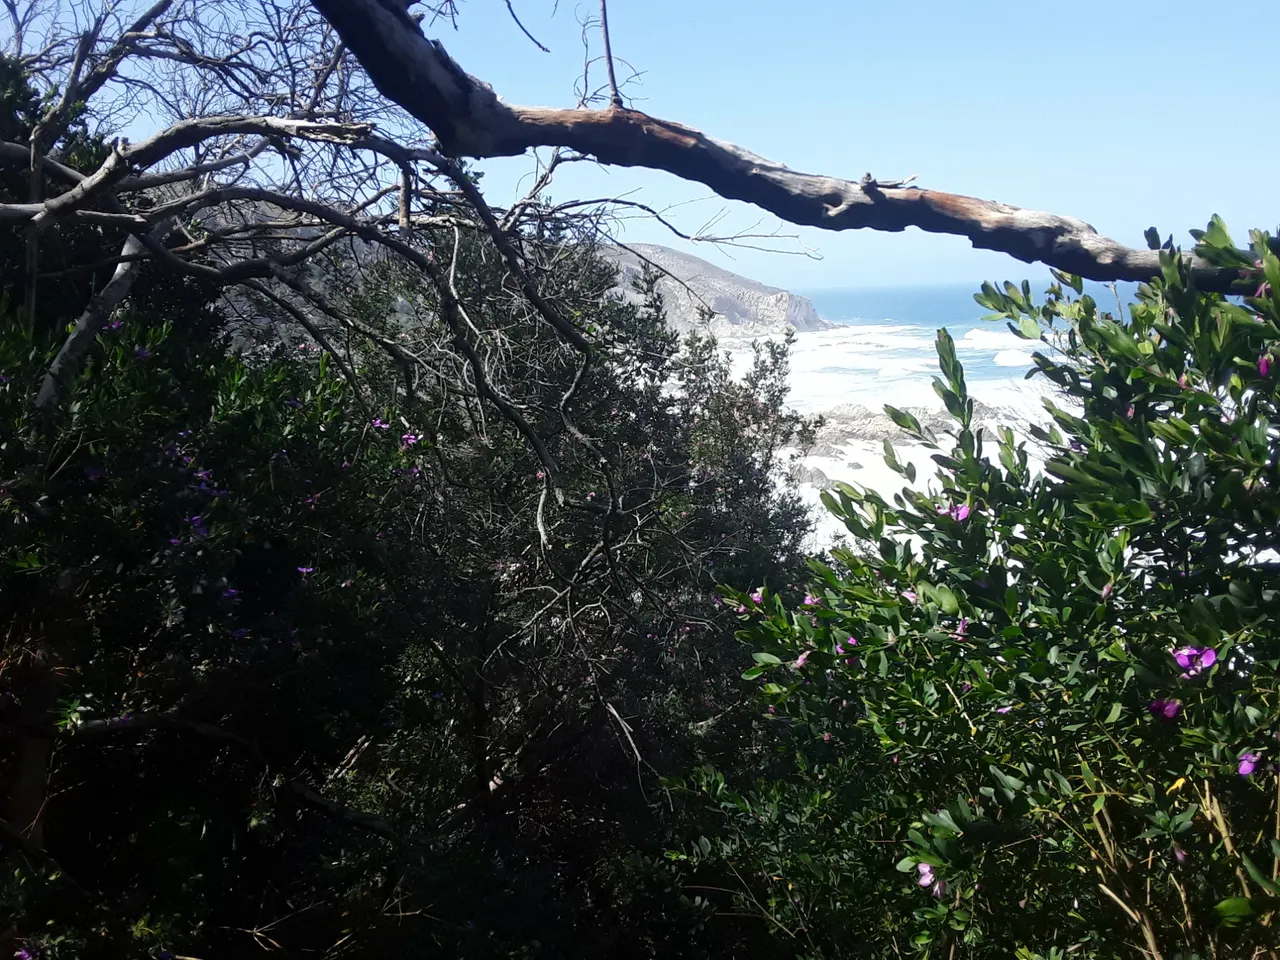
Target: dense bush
[(299, 654), (1035, 714)]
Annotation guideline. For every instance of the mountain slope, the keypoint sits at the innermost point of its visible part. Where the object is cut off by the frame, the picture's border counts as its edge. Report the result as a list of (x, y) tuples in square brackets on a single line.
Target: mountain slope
[(743, 307)]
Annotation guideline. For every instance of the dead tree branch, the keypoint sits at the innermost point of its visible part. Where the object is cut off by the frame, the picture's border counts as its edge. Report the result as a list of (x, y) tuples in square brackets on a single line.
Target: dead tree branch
[(471, 120)]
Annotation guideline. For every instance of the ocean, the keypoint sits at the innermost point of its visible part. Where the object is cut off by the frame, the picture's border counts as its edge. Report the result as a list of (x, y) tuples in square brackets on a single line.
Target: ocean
[(882, 351), (883, 348)]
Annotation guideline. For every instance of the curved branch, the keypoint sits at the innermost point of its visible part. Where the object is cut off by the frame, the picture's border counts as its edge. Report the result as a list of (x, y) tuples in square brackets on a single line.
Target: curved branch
[(67, 363), (471, 120)]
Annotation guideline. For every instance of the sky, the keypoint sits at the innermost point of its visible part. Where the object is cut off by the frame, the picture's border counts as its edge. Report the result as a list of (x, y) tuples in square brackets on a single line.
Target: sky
[(1125, 113)]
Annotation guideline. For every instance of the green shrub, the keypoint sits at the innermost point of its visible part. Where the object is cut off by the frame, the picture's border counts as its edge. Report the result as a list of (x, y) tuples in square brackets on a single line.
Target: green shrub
[(1037, 714)]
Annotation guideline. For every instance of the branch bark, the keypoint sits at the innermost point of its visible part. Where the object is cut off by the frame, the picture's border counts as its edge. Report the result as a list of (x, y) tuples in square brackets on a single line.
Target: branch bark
[(471, 120), (67, 363)]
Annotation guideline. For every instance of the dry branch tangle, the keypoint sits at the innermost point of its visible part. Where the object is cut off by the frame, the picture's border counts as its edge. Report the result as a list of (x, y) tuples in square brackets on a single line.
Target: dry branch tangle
[(471, 120)]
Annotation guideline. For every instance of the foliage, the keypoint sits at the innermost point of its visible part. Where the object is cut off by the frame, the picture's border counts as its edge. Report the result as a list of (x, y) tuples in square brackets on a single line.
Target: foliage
[(290, 664), (1034, 713)]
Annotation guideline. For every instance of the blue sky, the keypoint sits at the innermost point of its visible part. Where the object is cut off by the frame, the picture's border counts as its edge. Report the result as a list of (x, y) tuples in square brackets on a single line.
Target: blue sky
[(1126, 113)]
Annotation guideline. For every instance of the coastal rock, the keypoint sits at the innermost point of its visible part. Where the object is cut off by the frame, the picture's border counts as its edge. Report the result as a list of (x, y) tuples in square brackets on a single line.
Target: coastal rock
[(743, 307), (851, 422), (810, 475)]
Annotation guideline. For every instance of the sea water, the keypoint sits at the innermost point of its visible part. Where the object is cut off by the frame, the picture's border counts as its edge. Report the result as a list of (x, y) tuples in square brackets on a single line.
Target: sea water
[(882, 350)]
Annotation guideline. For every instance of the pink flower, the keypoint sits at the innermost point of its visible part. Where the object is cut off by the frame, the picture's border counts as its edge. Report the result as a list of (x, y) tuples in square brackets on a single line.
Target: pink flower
[(1179, 853), (757, 595), (962, 630), (827, 737), (909, 596), (1247, 763), (1106, 590), (1264, 365), (958, 512), (540, 475), (1195, 660), (926, 874), (852, 641), (1169, 709), (802, 659), (1003, 709), (810, 600)]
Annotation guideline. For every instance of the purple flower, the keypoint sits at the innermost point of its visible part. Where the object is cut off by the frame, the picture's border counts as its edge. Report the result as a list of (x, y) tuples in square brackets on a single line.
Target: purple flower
[(115, 324), (408, 439), (240, 633), (141, 353), (1179, 853), (962, 630), (810, 600), (1247, 763), (1005, 709), (294, 402), (305, 570), (230, 593), (958, 512), (1077, 446), (1264, 365), (378, 424), (1195, 660), (1169, 709), (757, 595)]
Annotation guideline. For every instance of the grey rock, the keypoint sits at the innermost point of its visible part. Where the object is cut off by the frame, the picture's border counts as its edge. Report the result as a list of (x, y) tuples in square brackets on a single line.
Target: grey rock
[(743, 308), (851, 421), (812, 475)]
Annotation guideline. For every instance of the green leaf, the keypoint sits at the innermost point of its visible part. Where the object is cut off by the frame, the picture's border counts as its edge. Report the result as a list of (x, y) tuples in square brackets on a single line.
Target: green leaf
[(944, 598), (1259, 877), (1233, 909), (767, 658)]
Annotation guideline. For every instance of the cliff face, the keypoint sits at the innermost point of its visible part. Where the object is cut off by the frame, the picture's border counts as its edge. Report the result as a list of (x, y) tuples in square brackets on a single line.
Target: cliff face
[(743, 308)]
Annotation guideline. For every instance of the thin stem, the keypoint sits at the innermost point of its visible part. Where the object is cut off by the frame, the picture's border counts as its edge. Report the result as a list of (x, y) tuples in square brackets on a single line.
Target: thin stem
[(615, 98)]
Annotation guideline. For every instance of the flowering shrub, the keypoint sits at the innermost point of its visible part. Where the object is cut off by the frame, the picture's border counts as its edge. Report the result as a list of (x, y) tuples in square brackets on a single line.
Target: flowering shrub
[(1061, 730)]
